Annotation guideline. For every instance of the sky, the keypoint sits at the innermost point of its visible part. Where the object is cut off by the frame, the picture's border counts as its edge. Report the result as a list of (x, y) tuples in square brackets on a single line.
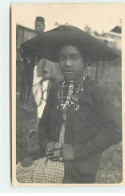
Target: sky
[(99, 17)]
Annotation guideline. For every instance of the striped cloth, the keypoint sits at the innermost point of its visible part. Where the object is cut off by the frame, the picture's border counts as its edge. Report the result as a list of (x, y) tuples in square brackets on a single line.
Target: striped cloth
[(43, 170)]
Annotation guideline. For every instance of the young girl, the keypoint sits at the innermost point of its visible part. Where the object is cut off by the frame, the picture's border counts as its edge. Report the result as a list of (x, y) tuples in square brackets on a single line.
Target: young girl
[(78, 122)]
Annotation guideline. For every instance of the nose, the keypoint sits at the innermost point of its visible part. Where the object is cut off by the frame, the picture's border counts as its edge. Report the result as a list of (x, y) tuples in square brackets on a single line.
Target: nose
[(68, 63)]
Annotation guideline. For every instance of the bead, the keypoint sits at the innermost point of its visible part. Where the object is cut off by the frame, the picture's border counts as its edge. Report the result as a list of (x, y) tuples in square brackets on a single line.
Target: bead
[(70, 92), (57, 153), (67, 102), (68, 97), (71, 85), (77, 108), (60, 158), (57, 145)]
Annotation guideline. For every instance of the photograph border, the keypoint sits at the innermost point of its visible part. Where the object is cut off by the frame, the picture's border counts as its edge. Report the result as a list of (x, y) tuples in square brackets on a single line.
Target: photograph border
[(121, 8)]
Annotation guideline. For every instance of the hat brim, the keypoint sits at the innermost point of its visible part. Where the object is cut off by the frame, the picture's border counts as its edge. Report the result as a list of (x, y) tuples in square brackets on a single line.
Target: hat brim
[(49, 43)]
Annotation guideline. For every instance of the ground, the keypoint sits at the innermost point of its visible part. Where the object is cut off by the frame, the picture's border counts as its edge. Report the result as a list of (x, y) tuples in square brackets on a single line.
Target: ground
[(110, 170)]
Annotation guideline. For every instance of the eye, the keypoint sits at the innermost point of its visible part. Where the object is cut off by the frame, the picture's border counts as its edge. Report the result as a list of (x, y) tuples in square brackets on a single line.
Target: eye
[(75, 58)]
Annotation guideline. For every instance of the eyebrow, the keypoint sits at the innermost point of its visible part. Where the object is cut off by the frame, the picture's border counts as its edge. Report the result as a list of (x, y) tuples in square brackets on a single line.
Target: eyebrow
[(75, 54)]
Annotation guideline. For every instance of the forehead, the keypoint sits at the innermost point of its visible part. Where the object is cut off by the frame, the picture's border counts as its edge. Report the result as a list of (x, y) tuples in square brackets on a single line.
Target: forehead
[(69, 50)]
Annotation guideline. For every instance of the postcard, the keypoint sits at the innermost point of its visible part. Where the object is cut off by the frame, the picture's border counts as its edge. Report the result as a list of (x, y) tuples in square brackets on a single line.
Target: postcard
[(67, 94)]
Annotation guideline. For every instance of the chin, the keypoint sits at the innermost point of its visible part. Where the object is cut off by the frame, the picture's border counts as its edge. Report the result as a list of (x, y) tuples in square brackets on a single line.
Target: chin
[(68, 77)]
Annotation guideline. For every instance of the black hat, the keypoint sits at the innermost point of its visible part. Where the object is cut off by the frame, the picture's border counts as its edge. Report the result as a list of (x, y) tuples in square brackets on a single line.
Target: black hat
[(40, 19), (49, 43)]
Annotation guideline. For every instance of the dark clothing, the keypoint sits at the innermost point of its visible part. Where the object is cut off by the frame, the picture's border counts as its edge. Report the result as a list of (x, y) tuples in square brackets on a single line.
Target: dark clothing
[(90, 130)]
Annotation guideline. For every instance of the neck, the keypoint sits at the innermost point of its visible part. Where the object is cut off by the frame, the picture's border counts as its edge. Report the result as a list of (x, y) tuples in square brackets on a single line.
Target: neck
[(77, 79)]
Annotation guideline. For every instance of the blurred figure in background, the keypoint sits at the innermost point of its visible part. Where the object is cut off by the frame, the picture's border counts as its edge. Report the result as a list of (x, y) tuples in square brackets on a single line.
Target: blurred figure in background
[(46, 73), (39, 25)]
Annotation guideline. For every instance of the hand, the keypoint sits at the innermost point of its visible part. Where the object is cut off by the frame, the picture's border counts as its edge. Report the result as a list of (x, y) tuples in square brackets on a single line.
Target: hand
[(66, 153), (50, 147)]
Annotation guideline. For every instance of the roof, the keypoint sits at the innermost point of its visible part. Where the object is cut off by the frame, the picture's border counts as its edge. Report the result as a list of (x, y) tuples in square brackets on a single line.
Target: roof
[(113, 34), (25, 27), (117, 29), (104, 38)]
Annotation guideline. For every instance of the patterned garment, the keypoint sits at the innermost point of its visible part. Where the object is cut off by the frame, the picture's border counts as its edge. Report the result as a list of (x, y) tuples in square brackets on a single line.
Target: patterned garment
[(42, 170)]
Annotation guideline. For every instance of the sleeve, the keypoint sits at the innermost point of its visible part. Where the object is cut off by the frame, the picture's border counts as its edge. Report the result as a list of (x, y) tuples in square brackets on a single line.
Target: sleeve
[(109, 133), (44, 124)]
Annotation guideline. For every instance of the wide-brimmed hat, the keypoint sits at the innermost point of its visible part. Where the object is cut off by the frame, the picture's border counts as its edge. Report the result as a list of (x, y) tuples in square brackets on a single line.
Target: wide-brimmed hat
[(49, 43)]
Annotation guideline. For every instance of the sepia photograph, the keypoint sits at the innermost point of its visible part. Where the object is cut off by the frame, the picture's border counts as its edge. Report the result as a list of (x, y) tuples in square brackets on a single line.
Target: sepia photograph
[(66, 86)]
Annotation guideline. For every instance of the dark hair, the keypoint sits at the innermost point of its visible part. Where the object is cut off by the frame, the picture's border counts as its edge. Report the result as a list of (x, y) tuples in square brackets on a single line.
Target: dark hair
[(40, 19)]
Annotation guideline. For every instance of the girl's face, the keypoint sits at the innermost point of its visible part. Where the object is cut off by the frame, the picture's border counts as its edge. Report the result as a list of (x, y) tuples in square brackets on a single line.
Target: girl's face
[(39, 27), (71, 62)]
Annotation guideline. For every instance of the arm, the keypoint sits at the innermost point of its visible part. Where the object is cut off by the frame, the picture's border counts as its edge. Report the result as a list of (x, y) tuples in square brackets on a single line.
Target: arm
[(109, 133), (43, 127)]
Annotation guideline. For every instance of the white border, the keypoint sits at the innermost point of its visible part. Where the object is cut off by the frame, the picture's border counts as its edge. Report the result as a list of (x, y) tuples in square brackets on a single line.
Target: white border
[(5, 184)]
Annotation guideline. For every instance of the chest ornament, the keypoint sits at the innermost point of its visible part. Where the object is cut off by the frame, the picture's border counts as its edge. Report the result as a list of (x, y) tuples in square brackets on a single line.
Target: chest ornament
[(67, 95)]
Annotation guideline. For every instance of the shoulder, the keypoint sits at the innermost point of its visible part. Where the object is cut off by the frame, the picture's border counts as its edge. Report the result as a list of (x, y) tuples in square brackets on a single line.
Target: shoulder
[(98, 91), (100, 94), (94, 86)]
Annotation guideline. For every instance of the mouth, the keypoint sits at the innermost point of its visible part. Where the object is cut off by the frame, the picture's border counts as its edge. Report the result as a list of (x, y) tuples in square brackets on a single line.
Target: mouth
[(68, 72)]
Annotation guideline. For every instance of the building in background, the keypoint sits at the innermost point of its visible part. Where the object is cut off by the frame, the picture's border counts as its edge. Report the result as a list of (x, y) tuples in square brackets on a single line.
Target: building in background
[(23, 34), (116, 35), (111, 38)]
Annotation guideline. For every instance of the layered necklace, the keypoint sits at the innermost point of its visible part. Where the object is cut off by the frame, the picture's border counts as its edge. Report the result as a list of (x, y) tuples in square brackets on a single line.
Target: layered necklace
[(71, 97)]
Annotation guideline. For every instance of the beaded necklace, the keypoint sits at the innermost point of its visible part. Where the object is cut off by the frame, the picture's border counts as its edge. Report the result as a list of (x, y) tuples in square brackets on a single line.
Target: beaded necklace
[(64, 102)]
